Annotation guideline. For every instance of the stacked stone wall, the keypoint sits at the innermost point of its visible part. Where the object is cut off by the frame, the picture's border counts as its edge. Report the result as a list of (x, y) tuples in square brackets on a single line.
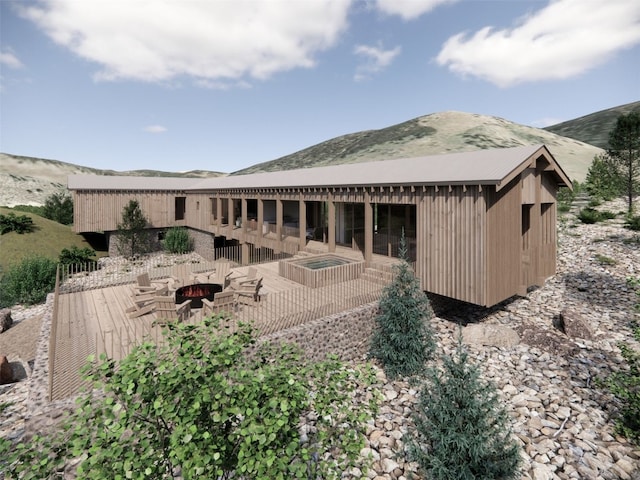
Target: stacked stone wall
[(203, 243), (345, 334)]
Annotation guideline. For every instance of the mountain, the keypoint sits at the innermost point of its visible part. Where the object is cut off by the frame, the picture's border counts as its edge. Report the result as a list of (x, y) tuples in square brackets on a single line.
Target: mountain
[(437, 133), (29, 180), (595, 127)]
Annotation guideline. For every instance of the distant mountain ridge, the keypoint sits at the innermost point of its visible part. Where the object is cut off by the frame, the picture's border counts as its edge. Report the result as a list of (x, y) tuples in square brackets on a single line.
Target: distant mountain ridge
[(28, 180), (595, 127), (437, 133)]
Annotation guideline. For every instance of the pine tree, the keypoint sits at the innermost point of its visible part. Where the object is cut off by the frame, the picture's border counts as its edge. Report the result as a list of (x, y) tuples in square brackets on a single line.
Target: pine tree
[(133, 237), (624, 151), (462, 430), (403, 340)]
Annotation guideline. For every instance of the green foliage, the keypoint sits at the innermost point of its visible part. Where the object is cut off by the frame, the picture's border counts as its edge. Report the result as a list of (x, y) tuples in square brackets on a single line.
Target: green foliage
[(589, 215), (403, 339), (624, 153), (59, 208), (604, 260), (133, 237), (14, 223), (35, 209), (77, 256), (603, 179), (177, 240), (461, 429), (28, 282), (633, 223), (214, 405), (625, 384)]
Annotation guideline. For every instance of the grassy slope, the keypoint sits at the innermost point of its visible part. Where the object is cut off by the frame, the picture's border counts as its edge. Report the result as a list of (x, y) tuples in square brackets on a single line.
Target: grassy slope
[(48, 239), (595, 127)]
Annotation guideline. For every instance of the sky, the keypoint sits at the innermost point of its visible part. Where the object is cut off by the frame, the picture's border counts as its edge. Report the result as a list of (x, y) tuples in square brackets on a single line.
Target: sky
[(221, 85)]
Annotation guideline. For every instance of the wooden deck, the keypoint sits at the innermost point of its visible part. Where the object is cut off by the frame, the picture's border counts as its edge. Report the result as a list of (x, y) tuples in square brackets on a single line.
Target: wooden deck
[(95, 321)]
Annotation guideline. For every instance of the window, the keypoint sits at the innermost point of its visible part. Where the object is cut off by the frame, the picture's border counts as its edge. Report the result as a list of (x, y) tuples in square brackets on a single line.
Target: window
[(181, 207)]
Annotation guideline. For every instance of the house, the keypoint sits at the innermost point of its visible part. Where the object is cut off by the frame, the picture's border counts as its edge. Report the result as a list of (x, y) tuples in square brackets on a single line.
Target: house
[(481, 226)]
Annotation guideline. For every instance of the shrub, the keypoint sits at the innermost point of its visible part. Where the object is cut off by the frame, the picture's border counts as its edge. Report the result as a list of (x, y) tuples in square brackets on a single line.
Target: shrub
[(13, 223), (633, 223), (59, 207), (35, 209), (461, 429), (203, 405), (177, 240), (81, 257), (403, 340), (28, 282), (589, 215)]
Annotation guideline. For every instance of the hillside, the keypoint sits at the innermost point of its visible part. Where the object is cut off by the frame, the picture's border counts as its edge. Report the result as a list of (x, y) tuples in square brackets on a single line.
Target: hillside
[(29, 180), (434, 134), (595, 127)]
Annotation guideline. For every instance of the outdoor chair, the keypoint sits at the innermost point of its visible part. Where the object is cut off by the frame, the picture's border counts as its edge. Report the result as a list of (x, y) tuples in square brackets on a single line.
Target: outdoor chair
[(223, 301), (182, 275), (248, 294), (222, 274), (251, 278), (145, 285), (142, 304), (167, 311)]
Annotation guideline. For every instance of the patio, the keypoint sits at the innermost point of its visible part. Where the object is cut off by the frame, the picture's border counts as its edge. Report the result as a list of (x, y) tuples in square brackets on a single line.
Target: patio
[(95, 321)]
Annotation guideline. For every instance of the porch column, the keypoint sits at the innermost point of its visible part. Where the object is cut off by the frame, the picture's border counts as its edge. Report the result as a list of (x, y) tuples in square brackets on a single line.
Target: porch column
[(331, 211), (279, 219), (244, 222), (260, 220), (302, 222), (218, 212), (368, 229), (231, 215), (245, 254)]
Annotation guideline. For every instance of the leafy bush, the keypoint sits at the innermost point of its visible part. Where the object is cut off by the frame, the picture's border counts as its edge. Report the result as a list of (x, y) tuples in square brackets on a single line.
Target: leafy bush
[(28, 282), (35, 209), (77, 256), (565, 198), (595, 202), (13, 223), (461, 429), (212, 405), (177, 240), (59, 207), (607, 215), (625, 384), (589, 215), (633, 223), (403, 340)]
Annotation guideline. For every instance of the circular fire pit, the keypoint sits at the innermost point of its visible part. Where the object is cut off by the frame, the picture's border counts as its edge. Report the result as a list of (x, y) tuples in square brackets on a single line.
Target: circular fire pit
[(196, 293)]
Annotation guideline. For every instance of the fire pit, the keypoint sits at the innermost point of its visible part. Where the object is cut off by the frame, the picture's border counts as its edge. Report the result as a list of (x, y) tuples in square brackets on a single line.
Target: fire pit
[(197, 292)]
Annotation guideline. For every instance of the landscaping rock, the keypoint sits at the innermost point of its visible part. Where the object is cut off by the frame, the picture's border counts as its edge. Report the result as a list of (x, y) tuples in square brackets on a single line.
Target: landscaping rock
[(574, 325), (5, 320), (6, 372)]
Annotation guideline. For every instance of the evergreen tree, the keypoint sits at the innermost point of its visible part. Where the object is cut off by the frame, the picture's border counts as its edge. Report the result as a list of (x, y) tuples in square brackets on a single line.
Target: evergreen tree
[(133, 238), (603, 179), (624, 151), (59, 208), (461, 429), (403, 340)]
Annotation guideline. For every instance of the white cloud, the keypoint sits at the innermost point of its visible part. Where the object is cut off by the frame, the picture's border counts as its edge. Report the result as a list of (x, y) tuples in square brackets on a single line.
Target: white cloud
[(376, 59), (562, 40), (409, 9), (155, 129), (9, 59), (160, 40)]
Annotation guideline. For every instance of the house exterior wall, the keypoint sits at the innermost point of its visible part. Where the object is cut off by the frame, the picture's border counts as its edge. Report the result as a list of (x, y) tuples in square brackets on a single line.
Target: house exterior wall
[(451, 232)]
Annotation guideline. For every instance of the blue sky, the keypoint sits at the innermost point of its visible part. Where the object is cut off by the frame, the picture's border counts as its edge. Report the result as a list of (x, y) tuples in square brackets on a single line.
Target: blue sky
[(221, 85)]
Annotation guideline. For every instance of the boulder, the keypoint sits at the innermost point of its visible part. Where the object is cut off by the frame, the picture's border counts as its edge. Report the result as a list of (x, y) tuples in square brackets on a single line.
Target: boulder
[(5, 320), (574, 325), (490, 335), (6, 372)]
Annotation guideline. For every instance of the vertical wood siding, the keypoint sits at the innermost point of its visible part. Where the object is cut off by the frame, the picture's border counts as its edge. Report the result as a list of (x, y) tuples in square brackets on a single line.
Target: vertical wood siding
[(451, 242)]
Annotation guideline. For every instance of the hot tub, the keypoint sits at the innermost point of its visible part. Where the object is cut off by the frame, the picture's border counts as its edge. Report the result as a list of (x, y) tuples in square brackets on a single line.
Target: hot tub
[(320, 270)]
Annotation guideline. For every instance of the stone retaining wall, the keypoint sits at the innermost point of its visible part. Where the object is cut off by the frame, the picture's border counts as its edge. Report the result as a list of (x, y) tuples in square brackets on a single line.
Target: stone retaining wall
[(203, 243)]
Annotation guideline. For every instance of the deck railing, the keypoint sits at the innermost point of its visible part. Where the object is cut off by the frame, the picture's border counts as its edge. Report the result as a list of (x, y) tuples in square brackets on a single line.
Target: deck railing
[(53, 333)]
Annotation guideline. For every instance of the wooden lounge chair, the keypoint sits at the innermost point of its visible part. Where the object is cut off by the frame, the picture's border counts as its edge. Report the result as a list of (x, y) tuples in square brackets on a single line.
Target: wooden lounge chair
[(142, 304), (248, 294), (223, 301), (181, 275), (167, 311), (251, 278), (145, 285), (222, 275)]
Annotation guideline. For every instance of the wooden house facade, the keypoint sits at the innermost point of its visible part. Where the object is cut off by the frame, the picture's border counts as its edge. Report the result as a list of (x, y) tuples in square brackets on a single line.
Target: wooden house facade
[(481, 226)]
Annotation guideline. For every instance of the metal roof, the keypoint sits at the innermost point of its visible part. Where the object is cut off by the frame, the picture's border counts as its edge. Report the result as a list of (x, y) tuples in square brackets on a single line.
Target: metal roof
[(482, 167)]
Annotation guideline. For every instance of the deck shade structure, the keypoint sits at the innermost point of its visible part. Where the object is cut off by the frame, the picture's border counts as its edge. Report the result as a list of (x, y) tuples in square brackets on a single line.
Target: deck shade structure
[(481, 226)]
